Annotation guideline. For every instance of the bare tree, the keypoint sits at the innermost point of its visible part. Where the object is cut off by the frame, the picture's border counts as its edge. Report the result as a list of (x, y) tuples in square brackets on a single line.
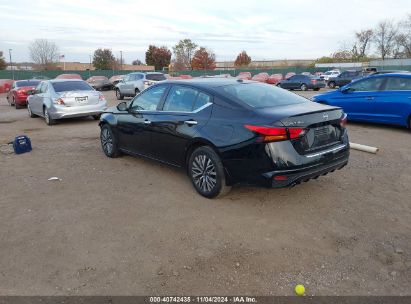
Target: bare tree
[(44, 53), (363, 42), (384, 37), (403, 39)]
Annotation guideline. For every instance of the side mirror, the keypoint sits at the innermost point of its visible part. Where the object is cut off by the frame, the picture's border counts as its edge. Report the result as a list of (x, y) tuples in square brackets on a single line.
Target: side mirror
[(122, 106), (346, 90)]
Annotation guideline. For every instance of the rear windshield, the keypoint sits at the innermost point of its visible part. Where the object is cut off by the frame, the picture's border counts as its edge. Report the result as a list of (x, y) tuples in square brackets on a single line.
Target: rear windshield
[(27, 83), (259, 95), (156, 77), (71, 86)]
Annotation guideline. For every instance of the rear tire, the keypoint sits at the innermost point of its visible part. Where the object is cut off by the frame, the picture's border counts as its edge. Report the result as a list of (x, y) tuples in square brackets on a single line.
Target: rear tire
[(49, 121), (207, 173), (316, 89), (331, 85), (108, 142), (30, 112), (119, 96)]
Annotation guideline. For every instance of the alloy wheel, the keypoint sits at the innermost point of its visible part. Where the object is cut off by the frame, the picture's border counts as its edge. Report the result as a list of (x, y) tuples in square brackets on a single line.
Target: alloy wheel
[(107, 141), (46, 116), (204, 173)]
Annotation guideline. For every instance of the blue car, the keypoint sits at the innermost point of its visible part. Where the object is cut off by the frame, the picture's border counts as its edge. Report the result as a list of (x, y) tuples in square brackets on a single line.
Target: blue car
[(384, 98)]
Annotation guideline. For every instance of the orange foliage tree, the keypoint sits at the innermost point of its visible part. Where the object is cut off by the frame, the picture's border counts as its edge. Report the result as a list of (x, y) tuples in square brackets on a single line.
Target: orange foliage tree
[(242, 59), (203, 59)]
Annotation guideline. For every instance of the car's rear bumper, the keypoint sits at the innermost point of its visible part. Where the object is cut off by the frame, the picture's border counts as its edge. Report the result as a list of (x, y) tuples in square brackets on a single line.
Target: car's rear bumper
[(287, 178), (22, 101), (58, 112)]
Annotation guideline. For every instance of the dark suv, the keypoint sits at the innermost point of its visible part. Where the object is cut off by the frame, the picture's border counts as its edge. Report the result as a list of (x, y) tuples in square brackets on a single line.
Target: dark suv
[(344, 78)]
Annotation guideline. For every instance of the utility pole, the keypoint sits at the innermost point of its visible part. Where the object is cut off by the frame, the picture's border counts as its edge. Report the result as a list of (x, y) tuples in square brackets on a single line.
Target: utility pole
[(11, 64), (121, 60), (89, 68)]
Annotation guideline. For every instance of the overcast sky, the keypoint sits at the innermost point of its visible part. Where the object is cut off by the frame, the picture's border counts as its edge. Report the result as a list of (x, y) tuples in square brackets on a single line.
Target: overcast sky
[(284, 29)]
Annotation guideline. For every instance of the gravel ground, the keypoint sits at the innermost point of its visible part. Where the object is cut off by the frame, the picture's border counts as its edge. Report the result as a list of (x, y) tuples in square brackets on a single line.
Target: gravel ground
[(130, 226)]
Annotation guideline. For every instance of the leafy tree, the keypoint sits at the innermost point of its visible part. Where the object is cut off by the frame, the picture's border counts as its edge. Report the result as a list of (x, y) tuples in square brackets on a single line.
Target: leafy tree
[(3, 63), (160, 57), (103, 59), (242, 59), (384, 37), (183, 52), (203, 60), (44, 53), (137, 62), (325, 59)]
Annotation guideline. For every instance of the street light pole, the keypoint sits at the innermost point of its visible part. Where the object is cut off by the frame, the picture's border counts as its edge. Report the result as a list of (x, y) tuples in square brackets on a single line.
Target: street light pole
[(11, 64)]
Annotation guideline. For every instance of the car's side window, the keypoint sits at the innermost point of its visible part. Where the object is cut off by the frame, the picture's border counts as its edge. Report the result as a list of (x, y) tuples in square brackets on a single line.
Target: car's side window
[(126, 78), (293, 78), (44, 88), (201, 101), (398, 84), (148, 100), (180, 99), (373, 84)]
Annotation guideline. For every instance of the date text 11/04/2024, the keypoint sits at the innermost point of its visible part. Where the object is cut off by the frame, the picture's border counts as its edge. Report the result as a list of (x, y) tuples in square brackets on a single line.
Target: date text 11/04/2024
[(203, 299)]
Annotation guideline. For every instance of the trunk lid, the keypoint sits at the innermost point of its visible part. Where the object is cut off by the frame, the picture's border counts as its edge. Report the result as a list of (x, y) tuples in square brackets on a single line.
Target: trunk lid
[(79, 98), (321, 124)]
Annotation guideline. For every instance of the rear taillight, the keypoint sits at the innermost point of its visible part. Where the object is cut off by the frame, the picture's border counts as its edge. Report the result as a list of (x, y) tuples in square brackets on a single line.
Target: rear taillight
[(59, 101), (276, 133), (101, 97), (343, 121), (21, 92), (314, 81)]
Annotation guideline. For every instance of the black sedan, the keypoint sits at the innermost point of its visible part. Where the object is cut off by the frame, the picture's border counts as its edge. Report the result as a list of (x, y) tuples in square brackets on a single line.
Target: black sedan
[(225, 132), (302, 82)]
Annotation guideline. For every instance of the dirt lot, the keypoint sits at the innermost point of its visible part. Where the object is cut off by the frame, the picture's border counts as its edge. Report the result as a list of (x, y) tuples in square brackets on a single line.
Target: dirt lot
[(130, 226)]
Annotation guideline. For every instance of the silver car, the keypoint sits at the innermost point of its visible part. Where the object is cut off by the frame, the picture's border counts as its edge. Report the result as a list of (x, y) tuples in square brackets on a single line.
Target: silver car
[(65, 98), (134, 83)]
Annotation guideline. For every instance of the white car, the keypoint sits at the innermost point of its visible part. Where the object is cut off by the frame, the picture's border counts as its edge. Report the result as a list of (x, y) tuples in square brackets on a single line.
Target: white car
[(65, 98), (329, 74), (134, 83)]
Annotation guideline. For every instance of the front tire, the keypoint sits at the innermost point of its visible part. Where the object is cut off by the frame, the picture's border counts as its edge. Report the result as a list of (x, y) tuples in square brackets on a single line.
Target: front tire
[(303, 87), (108, 142), (119, 96), (331, 85), (207, 173)]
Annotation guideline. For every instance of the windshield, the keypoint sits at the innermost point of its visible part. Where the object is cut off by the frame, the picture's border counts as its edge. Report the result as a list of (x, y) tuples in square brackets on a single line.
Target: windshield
[(259, 95), (65, 86), (155, 77), (27, 83)]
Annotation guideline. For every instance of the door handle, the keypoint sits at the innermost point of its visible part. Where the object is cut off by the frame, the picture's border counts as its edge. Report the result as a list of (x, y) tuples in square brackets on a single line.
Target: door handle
[(191, 122), (369, 98), (147, 122)]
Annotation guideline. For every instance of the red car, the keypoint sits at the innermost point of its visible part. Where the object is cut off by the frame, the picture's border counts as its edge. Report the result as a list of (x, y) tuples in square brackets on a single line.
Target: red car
[(69, 76), (261, 77), (275, 78), (244, 75), (17, 96), (5, 85)]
